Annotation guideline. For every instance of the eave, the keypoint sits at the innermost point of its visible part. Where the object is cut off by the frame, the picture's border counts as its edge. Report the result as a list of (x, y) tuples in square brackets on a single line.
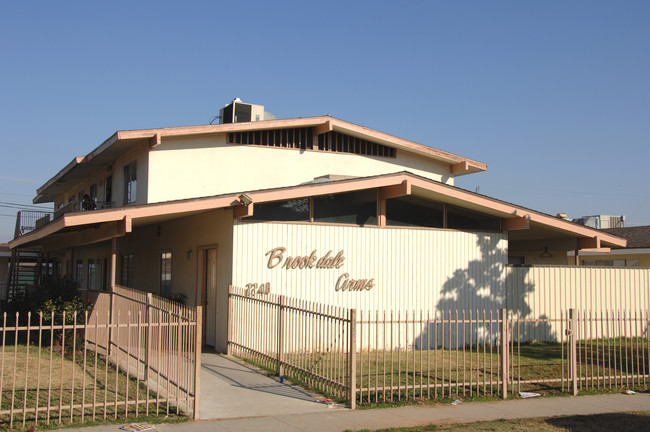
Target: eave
[(122, 141), (389, 185)]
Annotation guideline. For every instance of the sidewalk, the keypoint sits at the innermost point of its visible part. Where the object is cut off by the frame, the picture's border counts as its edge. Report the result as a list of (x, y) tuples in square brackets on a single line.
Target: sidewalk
[(337, 421)]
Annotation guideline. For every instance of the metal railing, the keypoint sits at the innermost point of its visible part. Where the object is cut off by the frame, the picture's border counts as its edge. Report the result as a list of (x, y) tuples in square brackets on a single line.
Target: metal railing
[(29, 220), (69, 368), (364, 357)]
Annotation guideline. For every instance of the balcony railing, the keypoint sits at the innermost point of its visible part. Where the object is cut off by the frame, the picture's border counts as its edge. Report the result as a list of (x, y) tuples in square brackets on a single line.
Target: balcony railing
[(29, 220), (74, 207)]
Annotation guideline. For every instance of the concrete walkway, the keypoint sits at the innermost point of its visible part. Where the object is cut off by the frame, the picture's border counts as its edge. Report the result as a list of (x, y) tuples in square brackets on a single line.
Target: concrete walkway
[(337, 421), (232, 389)]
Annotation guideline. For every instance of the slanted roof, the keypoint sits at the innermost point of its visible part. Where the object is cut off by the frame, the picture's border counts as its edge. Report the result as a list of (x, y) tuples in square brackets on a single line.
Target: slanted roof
[(122, 141), (637, 237), (119, 221)]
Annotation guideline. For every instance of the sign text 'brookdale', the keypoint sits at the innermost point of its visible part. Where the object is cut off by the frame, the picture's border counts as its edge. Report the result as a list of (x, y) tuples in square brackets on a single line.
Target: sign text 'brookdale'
[(276, 257)]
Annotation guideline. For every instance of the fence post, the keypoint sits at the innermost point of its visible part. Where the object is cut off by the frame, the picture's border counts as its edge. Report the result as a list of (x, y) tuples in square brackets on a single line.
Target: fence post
[(505, 375), (229, 321), (353, 359), (573, 358), (147, 336), (197, 361), (109, 325), (281, 336)]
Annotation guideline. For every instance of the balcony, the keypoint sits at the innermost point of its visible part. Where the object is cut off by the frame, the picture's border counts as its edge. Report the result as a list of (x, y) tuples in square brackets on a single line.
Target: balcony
[(30, 220)]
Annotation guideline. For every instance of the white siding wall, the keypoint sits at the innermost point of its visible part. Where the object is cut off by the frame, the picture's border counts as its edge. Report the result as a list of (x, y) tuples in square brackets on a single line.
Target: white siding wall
[(538, 292), (413, 269), (546, 291)]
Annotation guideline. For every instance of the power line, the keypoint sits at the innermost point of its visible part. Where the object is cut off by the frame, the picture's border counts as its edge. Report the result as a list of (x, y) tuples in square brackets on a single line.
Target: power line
[(19, 206)]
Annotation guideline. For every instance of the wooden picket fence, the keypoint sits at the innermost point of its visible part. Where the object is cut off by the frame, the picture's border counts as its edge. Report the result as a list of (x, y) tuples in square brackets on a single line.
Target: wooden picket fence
[(415, 355), (128, 357)]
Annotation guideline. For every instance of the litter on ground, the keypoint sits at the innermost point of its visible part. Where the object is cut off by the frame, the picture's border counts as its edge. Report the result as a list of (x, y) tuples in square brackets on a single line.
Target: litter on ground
[(137, 427), (527, 395)]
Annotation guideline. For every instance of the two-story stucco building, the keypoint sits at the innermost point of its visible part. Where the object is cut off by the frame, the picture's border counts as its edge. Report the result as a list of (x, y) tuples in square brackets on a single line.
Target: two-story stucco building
[(316, 208)]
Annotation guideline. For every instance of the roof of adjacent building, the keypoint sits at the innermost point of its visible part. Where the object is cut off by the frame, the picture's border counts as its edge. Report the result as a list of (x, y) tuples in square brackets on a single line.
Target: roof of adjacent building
[(122, 141), (637, 237)]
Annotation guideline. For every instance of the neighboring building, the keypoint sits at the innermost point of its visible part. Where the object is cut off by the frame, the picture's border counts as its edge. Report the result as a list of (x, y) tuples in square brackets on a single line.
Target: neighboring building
[(635, 254), (315, 208), (5, 254), (601, 221)]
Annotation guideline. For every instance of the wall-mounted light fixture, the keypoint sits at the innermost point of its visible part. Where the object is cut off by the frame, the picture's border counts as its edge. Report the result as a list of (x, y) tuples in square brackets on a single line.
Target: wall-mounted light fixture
[(245, 199), (189, 254)]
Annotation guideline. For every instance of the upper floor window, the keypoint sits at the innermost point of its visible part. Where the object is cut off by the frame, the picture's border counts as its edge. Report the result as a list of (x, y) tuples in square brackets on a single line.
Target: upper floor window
[(130, 183)]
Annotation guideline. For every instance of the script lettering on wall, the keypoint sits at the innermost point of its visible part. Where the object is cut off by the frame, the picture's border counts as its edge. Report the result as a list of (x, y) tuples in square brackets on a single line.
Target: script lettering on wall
[(279, 258)]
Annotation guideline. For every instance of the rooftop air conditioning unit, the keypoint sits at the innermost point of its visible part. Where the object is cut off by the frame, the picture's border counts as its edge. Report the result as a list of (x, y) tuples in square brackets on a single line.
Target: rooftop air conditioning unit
[(239, 112)]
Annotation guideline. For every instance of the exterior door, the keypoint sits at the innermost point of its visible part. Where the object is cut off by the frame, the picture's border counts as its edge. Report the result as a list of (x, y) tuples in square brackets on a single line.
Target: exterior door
[(210, 296)]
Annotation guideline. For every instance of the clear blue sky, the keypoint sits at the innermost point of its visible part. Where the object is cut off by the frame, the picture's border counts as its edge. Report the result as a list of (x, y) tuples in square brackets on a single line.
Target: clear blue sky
[(553, 95)]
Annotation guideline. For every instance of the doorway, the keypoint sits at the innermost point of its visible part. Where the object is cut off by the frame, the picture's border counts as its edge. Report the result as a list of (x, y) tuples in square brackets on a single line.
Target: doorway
[(208, 284)]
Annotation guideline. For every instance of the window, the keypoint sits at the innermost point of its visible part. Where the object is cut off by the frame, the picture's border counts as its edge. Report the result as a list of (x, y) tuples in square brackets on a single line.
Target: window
[(108, 191), (91, 280), (126, 278), (291, 210), (79, 274), (166, 274), (612, 263), (130, 183), (463, 219), (414, 211), (359, 208)]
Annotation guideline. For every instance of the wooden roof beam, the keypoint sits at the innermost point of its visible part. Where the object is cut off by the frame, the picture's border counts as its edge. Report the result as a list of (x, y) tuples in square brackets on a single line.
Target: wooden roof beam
[(323, 128), (242, 211), (516, 223), (460, 167), (155, 141), (394, 191)]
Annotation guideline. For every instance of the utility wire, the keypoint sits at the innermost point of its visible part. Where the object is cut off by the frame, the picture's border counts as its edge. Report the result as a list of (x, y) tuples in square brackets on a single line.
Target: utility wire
[(16, 205)]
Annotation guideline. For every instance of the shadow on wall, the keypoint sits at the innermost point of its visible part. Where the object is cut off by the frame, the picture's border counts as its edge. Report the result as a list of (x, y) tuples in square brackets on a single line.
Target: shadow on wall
[(479, 291)]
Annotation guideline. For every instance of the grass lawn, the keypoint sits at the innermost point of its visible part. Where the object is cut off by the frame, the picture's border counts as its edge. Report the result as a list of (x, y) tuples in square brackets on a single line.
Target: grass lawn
[(633, 421), (61, 381)]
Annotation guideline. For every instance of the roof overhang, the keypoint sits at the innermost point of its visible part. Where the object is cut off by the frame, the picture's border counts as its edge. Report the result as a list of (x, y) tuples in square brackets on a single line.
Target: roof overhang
[(122, 141), (526, 223)]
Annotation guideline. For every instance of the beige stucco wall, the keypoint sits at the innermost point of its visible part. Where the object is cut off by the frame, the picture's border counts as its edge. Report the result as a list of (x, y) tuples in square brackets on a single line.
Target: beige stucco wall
[(206, 166), (180, 236)]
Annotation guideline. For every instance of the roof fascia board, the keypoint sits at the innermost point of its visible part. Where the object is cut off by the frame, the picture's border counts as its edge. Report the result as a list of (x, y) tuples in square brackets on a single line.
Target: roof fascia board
[(400, 143), (39, 192), (410, 181)]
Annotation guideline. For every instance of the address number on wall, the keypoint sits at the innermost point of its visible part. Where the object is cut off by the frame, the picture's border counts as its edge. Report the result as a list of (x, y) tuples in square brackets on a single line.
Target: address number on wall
[(253, 289)]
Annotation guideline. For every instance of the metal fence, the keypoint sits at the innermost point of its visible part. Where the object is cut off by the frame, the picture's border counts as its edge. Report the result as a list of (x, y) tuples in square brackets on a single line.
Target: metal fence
[(445, 355), (307, 342), (111, 363)]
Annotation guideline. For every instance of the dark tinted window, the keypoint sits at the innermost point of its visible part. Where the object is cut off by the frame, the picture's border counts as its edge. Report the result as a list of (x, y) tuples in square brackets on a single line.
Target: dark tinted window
[(458, 218), (357, 208), (291, 210), (414, 211)]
